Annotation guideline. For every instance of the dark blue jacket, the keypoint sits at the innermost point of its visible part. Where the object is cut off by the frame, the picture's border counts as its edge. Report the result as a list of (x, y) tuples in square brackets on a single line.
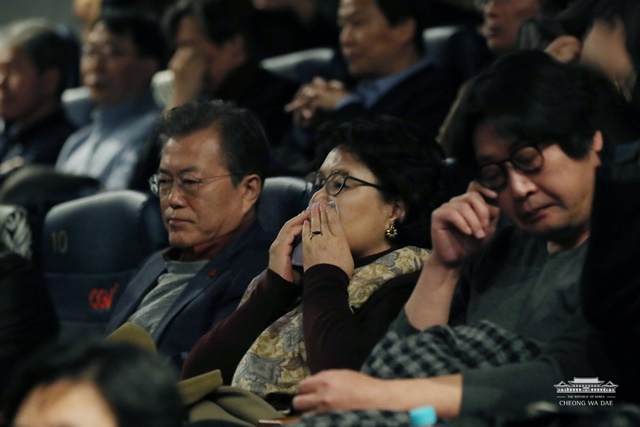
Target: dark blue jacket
[(210, 296)]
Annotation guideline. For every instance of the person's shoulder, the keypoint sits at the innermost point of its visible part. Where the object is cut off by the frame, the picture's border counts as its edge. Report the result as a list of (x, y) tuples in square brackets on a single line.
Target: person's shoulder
[(153, 261), (254, 240)]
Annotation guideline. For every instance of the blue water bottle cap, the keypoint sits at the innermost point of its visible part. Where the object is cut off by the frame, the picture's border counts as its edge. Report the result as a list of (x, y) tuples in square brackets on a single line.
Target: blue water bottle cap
[(423, 416)]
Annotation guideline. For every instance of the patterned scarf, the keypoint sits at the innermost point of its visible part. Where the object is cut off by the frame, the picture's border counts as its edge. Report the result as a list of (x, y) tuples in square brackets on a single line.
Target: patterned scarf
[(276, 362)]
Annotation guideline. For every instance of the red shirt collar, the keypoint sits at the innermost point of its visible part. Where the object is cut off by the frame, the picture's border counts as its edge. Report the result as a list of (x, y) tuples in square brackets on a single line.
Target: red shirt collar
[(208, 250)]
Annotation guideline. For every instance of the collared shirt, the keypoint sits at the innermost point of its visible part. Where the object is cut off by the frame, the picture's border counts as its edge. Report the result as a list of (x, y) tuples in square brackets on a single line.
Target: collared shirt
[(207, 250), (369, 91), (110, 146)]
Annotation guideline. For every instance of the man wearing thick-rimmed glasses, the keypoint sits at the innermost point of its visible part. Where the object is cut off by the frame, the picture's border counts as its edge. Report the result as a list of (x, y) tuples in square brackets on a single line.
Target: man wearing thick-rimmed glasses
[(214, 160)]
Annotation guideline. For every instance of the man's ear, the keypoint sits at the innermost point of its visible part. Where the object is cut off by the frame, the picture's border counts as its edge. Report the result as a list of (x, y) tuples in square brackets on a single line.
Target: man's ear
[(51, 79), (598, 142), (405, 30), (251, 188), (149, 67), (236, 47)]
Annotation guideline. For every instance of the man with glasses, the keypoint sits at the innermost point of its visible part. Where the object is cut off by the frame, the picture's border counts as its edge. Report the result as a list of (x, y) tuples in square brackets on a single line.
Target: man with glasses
[(494, 321), (213, 163), (120, 55)]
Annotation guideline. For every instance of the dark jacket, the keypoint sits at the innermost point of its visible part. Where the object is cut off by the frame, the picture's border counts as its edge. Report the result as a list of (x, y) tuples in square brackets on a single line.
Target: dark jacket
[(210, 296)]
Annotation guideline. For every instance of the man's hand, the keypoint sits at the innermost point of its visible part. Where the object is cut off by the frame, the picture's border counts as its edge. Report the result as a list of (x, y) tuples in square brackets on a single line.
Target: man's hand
[(458, 229), (313, 99), (189, 66), (462, 225), (344, 390), (339, 390)]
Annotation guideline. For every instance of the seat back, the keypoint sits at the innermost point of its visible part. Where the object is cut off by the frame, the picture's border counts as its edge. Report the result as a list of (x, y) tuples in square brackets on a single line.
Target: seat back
[(302, 66), (91, 247), (460, 49), (282, 198)]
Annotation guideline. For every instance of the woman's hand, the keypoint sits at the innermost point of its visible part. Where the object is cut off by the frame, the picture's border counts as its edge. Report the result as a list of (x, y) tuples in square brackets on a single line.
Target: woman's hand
[(282, 247), (323, 240)]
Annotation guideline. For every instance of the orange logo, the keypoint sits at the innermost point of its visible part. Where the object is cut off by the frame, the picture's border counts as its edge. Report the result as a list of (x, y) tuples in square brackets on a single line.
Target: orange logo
[(101, 299)]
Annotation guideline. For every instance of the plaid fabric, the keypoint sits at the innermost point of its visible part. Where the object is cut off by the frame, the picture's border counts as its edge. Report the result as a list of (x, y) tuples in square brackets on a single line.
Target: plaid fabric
[(440, 350)]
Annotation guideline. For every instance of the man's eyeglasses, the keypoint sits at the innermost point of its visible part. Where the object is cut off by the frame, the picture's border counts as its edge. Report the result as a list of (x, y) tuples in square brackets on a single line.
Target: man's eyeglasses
[(108, 53), (481, 4), (526, 159), (161, 185), (335, 182)]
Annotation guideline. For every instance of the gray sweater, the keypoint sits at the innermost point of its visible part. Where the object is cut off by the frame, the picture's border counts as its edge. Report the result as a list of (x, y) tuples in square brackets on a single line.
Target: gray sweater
[(515, 283)]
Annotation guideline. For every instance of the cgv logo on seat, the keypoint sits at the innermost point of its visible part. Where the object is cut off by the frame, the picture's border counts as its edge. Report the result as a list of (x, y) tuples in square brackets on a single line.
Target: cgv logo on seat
[(101, 299)]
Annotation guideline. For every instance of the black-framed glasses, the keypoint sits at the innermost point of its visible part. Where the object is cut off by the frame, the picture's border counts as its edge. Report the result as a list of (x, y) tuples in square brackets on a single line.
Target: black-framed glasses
[(105, 52), (481, 4), (161, 185), (335, 182), (526, 159)]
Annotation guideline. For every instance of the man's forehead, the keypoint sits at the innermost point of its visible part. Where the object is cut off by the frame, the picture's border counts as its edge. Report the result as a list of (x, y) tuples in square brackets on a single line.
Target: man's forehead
[(100, 34), (490, 145), (352, 7)]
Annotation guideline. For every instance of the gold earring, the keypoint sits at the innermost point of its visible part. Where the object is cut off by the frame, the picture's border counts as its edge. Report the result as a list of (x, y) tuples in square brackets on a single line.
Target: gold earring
[(392, 231)]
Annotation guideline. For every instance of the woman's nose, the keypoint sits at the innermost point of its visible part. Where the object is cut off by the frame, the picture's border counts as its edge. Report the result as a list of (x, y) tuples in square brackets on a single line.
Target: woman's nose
[(320, 196)]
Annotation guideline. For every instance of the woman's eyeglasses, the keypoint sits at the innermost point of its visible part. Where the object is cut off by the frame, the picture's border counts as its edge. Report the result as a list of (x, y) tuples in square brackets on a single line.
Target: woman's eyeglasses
[(335, 182)]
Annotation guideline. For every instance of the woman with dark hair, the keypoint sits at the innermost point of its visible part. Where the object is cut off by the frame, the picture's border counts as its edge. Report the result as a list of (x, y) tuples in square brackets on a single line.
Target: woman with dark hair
[(97, 384), (363, 242)]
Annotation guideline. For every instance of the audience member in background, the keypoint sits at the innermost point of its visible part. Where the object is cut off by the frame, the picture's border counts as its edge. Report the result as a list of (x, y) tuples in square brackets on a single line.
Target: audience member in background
[(120, 55), (382, 43), (284, 26), (612, 44), (605, 36), (98, 384), (32, 77), (503, 19), (363, 243), (557, 32), (214, 59), (529, 127), (27, 316), (88, 11), (213, 165)]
